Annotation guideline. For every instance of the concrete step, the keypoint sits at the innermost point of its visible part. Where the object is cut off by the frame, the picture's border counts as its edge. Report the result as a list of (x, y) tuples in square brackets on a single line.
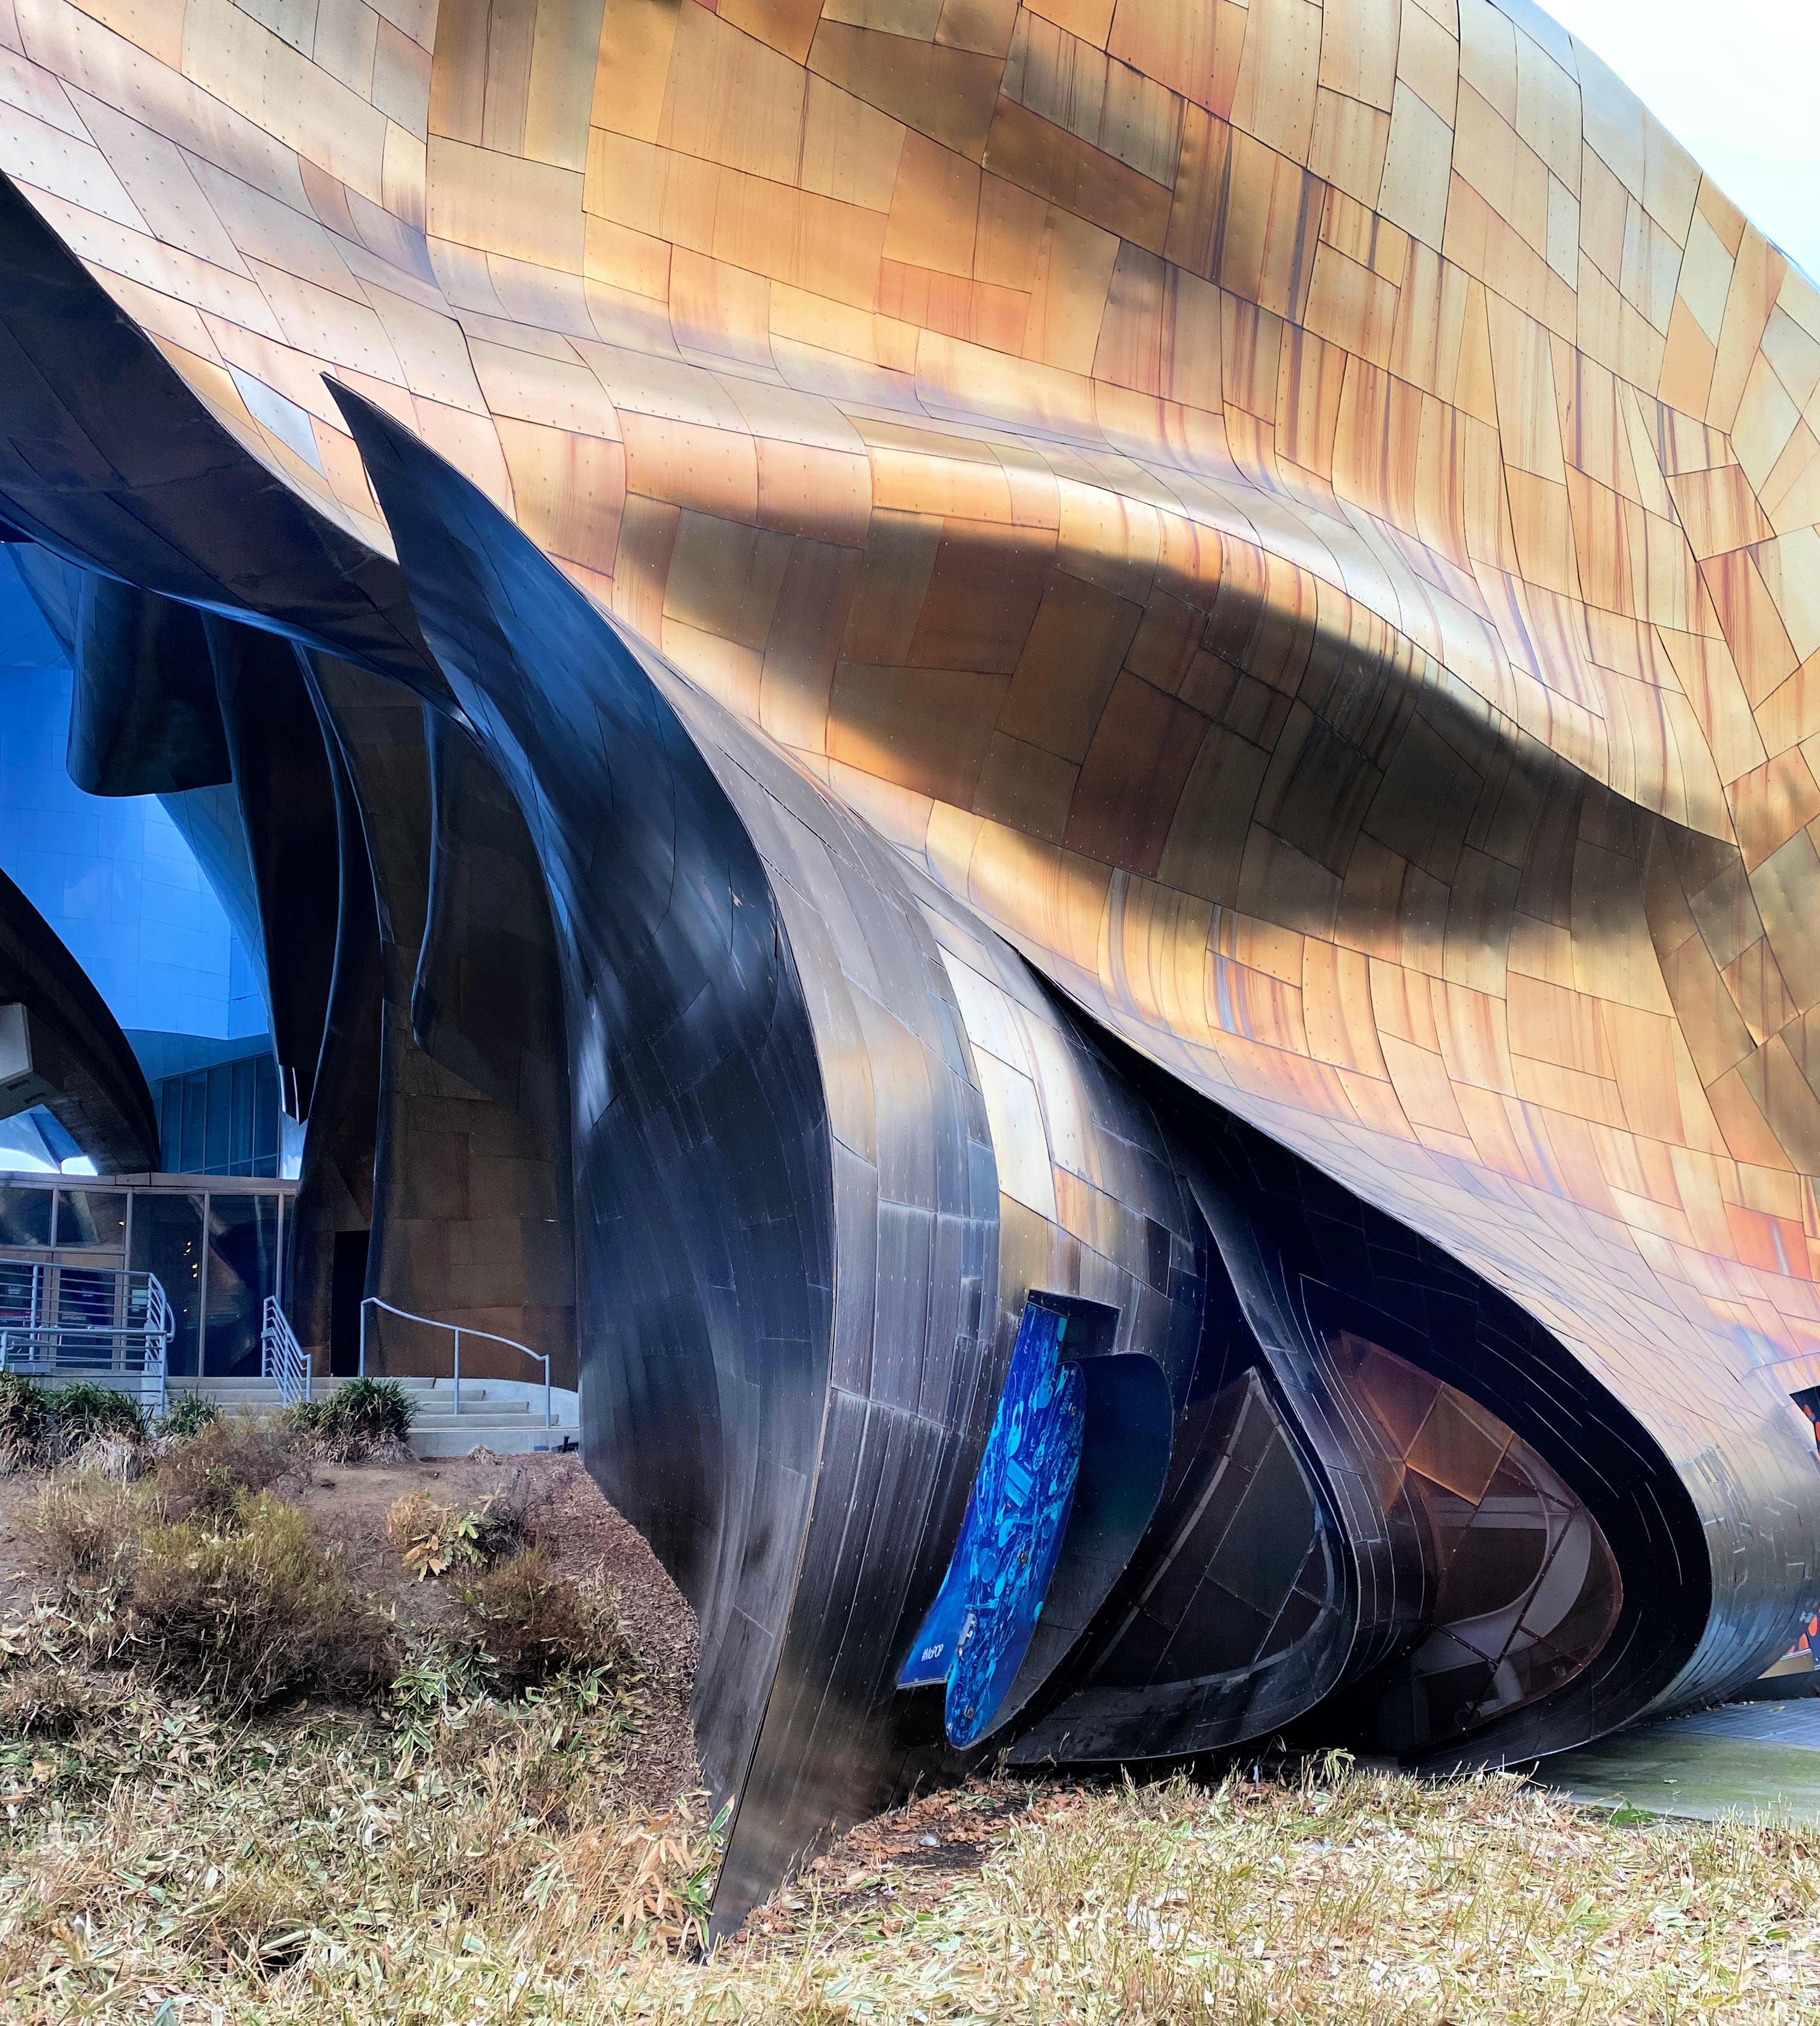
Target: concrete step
[(433, 1407), (458, 1438), (234, 1386), (508, 1423)]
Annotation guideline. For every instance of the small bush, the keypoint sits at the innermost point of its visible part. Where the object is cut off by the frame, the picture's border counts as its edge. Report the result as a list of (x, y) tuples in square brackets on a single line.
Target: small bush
[(88, 1525), (188, 1415), (247, 1616), (87, 1411), (432, 1538), (212, 1475), (48, 1701), (27, 1423), (364, 1417), (535, 1624), (41, 1426)]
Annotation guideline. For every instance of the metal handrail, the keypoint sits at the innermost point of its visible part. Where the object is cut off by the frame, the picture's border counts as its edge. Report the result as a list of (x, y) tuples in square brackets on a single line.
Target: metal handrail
[(460, 1330), (43, 1342), (280, 1356)]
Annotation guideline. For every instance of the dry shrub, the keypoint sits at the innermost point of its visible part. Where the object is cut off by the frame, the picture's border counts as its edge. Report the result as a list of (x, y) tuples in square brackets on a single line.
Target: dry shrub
[(210, 1475), (86, 1422), (120, 1459), (26, 1423), (88, 1525), (651, 1877), (509, 1516), (254, 1921), (245, 1616), (87, 1411), (535, 1624), (242, 1606), (430, 1539), (47, 1701)]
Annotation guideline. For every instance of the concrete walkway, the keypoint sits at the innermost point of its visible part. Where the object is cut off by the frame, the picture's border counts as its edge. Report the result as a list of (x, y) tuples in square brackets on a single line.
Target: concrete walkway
[(1753, 1760)]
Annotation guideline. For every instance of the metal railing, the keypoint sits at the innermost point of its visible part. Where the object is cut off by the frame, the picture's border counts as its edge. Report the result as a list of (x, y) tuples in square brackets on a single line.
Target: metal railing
[(134, 1342), (280, 1356), (459, 1330)]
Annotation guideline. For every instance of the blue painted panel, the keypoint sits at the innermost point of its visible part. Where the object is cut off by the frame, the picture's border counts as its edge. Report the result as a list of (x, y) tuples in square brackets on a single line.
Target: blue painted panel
[(976, 1632)]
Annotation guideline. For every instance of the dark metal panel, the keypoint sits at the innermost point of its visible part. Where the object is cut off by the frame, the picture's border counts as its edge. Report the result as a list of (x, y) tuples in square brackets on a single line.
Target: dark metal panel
[(144, 719), (335, 1185), (703, 1177), (470, 1213), (82, 1067), (284, 800)]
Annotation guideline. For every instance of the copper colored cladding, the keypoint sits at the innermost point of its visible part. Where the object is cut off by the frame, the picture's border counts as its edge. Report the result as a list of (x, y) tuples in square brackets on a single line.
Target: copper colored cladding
[(1302, 518)]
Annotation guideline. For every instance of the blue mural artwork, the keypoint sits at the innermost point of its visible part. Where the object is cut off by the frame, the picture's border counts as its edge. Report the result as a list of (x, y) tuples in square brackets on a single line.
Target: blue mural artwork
[(976, 1633)]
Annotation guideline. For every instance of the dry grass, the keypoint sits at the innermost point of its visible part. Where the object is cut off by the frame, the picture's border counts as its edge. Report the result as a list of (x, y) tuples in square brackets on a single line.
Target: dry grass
[(154, 1856), (207, 1475), (438, 1857), (246, 1616), (534, 1624)]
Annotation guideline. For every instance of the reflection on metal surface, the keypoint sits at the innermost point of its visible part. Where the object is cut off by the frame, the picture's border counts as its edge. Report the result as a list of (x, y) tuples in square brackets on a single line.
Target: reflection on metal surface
[(978, 1630), (60, 1048), (1524, 1588), (1163, 653)]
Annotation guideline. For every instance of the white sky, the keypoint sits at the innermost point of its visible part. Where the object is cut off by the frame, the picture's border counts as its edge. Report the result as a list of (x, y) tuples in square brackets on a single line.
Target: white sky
[(1737, 82)]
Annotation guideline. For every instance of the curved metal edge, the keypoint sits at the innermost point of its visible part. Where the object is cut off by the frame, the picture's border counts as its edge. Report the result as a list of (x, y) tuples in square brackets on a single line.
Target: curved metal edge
[(147, 486), (740, 1235), (1329, 1258), (84, 1068)]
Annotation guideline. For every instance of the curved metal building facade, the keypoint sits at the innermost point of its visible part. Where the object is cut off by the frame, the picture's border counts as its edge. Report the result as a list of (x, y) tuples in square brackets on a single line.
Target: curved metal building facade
[(1071, 754)]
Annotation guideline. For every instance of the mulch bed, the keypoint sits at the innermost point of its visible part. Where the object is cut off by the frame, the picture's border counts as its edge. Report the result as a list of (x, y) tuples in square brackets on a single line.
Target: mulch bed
[(903, 1860)]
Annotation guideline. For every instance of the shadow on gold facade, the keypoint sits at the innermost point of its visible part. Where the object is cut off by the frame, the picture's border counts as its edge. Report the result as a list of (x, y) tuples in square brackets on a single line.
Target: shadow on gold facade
[(1300, 518)]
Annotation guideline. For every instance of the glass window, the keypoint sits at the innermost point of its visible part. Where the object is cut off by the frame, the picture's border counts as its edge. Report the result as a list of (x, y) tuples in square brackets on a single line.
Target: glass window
[(195, 1110), (265, 1116), (23, 1293), (171, 1124), (168, 1241), (218, 1154), (240, 1139), (86, 1297), (24, 1215), (92, 1217), (243, 1269)]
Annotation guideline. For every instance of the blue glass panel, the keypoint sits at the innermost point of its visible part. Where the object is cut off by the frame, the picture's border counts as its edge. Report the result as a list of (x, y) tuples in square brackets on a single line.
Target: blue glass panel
[(24, 1216), (976, 1633), (242, 1268), (116, 879)]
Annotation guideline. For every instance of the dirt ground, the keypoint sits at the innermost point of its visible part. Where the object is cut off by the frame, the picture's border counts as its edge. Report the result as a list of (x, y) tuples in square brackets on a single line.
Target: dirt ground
[(900, 1863), (586, 1537)]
